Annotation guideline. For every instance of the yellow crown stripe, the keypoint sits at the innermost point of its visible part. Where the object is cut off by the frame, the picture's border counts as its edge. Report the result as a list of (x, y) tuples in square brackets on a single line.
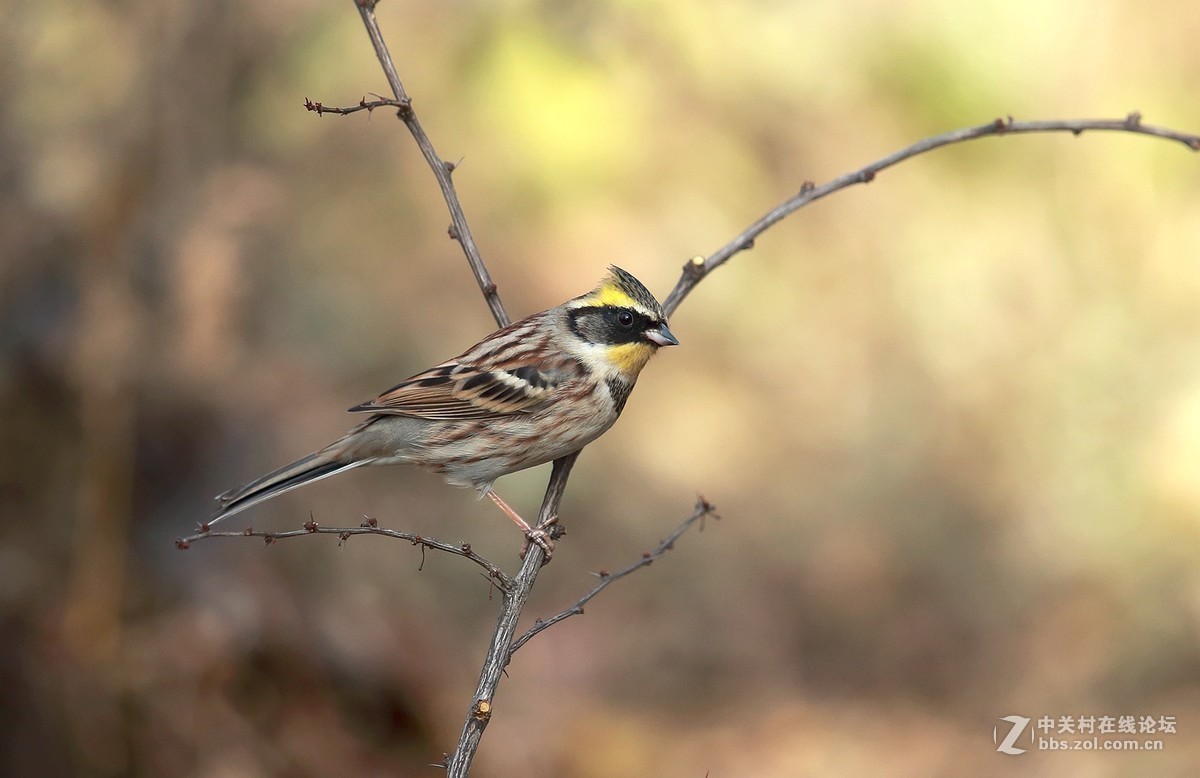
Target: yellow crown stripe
[(611, 294)]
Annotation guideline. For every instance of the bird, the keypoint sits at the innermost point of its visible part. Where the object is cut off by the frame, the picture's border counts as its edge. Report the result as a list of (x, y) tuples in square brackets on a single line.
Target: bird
[(529, 393)]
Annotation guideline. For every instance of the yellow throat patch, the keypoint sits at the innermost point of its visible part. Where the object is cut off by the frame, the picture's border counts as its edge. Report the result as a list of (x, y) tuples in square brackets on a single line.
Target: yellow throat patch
[(629, 358)]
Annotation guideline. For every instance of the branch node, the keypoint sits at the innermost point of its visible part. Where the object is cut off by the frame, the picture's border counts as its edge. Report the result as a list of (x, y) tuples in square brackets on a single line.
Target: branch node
[(371, 521), (482, 710), (807, 186), (695, 267), (182, 544), (1133, 120), (310, 525), (452, 231), (867, 176)]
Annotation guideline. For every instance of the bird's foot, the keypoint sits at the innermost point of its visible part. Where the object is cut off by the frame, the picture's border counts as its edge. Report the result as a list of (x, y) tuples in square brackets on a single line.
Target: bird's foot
[(544, 536)]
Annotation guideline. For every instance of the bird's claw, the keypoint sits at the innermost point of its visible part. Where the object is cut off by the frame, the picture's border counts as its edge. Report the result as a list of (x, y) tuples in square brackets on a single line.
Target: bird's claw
[(544, 536)]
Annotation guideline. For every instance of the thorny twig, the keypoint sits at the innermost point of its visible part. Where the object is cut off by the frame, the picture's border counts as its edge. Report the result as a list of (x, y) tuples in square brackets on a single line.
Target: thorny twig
[(369, 527), (703, 509), (459, 230)]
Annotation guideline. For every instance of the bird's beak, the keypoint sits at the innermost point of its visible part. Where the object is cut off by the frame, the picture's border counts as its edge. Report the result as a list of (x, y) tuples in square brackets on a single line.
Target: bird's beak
[(661, 336)]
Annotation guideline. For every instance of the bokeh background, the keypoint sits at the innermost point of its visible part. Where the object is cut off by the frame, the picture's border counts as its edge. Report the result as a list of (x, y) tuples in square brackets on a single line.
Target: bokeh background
[(951, 419)]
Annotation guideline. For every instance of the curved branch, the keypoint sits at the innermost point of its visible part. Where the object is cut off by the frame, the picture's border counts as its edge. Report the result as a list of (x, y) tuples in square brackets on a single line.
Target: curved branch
[(369, 527), (699, 267)]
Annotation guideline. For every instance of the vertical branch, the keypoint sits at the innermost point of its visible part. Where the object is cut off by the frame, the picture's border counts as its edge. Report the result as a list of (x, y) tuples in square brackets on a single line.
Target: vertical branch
[(500, 648), (459, 230)]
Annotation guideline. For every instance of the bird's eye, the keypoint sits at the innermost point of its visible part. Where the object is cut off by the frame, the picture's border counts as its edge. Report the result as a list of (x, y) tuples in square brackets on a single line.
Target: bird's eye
[(625, 319)]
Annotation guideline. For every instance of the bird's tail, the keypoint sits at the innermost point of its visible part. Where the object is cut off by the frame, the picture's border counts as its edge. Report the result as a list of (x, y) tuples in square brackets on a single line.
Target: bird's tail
[(313, 467)]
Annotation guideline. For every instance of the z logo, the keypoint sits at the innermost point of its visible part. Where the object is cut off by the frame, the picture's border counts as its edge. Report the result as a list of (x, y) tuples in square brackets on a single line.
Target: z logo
[(1018, 726)]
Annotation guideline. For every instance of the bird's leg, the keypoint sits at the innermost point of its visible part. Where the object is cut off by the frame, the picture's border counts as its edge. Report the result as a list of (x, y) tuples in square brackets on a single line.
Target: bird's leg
[(539, 536)]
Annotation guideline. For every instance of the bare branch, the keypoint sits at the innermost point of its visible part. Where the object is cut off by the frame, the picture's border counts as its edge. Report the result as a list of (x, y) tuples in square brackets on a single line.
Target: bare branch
[(369, 527), (459, 230), (363, 105), (699, 267), (499, 649), (703, 509)]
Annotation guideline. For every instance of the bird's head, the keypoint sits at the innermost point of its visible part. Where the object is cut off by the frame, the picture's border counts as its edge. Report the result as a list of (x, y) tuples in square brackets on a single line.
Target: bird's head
[(621, 323)]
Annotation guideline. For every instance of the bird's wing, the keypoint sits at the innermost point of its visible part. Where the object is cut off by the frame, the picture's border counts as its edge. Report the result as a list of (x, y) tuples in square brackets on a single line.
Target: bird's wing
[(453, 390)]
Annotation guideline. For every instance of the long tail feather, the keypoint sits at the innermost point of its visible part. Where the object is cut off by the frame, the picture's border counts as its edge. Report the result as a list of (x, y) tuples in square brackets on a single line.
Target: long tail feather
[(311, 468)]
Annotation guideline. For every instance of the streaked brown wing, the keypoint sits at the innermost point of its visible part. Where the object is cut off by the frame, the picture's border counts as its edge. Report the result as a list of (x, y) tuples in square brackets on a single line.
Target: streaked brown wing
[(455, 391)]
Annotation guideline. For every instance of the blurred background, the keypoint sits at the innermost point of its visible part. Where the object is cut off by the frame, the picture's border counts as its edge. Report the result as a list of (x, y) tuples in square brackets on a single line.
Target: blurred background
[(951, 420)]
